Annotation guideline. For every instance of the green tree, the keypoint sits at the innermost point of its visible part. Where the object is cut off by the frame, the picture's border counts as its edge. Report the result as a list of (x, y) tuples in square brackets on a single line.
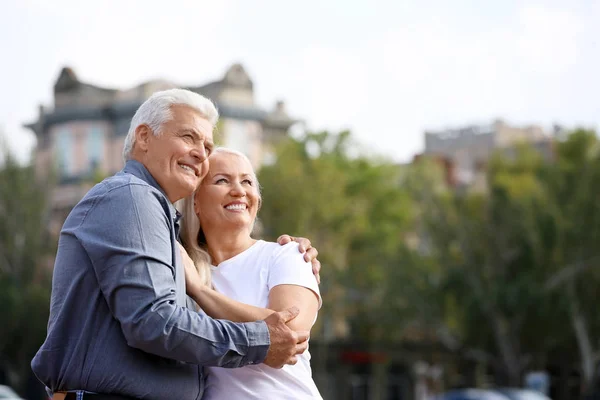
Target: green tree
[(491, 249), (493, 272), (353, 209), (25, 268), (574, 182)]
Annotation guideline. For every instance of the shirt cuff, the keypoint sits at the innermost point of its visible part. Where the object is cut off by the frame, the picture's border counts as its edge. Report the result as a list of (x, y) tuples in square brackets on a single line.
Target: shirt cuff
[(258, 342)]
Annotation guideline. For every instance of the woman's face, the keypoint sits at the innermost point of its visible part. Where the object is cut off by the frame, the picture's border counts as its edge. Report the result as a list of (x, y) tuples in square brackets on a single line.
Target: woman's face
[(229, 195)]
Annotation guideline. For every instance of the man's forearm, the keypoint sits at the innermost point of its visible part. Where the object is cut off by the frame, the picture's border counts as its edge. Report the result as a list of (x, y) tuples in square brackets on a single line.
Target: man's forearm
[(167, 331), (219, 306)]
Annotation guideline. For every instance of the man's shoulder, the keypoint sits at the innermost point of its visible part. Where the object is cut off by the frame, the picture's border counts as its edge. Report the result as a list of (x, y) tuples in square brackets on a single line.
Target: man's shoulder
[(124, 185), (122, 193)]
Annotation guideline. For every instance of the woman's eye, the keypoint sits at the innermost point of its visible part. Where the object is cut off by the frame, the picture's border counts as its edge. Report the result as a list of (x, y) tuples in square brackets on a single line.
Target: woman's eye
[(248, 182), (222, 180)]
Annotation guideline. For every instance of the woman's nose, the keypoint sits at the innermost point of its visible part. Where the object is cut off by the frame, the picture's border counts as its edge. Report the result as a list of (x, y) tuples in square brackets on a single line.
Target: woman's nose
[(238, 190)]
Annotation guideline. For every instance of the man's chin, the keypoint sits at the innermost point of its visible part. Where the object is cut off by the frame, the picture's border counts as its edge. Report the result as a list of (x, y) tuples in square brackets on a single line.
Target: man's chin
[(190, 182), (185, 190), (189, 191)]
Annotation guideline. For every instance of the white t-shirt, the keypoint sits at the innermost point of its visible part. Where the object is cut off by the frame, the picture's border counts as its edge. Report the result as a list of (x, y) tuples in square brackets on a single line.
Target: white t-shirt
[(248, 278)]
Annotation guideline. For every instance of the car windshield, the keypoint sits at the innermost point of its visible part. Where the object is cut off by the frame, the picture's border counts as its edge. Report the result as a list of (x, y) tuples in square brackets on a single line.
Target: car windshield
[(473, 394), (516, 394), (7, 393)]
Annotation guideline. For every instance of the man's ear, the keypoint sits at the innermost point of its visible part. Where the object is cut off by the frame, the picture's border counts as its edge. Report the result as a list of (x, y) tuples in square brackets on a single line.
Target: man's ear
[(142, 137)]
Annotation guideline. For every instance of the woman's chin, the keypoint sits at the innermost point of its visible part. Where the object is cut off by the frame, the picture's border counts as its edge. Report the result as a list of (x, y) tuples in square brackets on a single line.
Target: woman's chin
[(237, 222)]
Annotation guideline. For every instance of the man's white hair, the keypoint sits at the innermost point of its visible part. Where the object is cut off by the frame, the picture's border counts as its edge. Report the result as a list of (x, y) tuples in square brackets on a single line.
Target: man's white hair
[(155, 111)]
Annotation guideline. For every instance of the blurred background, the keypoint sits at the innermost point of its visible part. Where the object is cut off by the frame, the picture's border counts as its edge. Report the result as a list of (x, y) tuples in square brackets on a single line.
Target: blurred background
[(442, 156)]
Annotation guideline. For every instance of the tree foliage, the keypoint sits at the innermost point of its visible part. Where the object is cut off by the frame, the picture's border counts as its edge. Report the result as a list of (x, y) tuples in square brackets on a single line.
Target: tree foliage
[(519, 257), (354, 209), (504, 273), (25, 268)]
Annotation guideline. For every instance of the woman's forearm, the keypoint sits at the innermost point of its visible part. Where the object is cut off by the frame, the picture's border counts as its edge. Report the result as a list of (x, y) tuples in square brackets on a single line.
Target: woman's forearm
[(219, 306)]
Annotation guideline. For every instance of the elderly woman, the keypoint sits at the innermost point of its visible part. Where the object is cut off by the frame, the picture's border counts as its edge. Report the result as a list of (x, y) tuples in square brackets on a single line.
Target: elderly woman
[(236, 277)]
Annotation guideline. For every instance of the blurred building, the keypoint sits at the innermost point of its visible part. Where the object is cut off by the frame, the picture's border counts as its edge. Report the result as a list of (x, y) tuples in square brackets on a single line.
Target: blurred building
[(81, 138), (465, 151)]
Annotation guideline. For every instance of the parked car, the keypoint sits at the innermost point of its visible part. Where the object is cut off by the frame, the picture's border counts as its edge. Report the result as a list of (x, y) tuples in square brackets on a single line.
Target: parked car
[(472, 394), (522, 394), (493, 394), (6, 393)]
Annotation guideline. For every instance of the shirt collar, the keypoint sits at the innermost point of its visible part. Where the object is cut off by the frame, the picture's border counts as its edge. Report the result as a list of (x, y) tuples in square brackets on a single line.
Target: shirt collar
[(138, 170)]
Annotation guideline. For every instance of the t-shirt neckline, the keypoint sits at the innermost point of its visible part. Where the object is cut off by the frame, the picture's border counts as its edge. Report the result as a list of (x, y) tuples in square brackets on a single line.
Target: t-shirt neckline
[(230, 260)]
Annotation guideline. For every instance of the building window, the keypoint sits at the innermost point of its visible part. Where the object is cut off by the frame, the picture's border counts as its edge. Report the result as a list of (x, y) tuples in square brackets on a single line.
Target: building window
[(64, 149), (95, 150), (237, 137)]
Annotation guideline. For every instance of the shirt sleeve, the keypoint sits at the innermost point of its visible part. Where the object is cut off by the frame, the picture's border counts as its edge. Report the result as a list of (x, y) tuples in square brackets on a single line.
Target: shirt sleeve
[(288, 267), (127, 235)]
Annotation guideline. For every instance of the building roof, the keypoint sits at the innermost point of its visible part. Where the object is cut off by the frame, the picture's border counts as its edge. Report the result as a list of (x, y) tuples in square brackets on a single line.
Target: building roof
[(77, 100)]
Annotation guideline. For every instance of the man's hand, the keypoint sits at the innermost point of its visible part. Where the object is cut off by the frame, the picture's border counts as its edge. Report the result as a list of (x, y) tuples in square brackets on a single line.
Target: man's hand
[(310, 253), (286, 344)]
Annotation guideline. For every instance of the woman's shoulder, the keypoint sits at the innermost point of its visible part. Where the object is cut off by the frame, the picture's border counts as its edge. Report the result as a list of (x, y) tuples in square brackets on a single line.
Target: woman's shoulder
[(277, 250), (279, 255)]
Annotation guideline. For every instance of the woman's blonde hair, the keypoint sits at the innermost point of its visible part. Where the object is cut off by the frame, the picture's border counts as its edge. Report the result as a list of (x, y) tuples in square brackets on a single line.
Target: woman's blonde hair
[(192, 236)]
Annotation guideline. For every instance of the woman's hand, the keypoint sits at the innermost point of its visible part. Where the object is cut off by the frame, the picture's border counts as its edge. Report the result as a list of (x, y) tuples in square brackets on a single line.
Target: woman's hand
[(192, 278), (305, 247)]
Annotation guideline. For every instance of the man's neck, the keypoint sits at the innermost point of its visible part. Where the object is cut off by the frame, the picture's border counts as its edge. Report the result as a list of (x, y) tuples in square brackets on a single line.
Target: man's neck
[(226, 244)]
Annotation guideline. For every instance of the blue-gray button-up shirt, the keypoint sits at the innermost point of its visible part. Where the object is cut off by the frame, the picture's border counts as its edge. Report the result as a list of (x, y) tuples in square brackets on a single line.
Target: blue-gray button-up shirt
[(118, 317)]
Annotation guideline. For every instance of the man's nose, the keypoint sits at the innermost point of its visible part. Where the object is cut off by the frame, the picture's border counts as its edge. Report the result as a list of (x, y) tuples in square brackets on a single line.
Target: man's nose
[(199, 152)]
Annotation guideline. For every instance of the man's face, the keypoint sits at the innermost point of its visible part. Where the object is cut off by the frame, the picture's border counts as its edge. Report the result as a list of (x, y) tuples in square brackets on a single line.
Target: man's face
[(178, 157)]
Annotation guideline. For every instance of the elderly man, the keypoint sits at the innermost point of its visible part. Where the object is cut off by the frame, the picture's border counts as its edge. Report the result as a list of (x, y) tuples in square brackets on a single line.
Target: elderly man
[(119, 323)]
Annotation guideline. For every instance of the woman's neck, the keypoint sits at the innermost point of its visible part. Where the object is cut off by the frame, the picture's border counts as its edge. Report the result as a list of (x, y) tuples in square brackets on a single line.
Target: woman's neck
[(225, 244)]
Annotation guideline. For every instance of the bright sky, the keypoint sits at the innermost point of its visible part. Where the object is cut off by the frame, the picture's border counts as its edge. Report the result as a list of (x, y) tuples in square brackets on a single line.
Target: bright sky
[(387, 70)]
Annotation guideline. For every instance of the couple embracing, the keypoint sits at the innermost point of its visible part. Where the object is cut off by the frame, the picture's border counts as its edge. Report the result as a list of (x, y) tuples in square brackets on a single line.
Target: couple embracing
[(152, 302)]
